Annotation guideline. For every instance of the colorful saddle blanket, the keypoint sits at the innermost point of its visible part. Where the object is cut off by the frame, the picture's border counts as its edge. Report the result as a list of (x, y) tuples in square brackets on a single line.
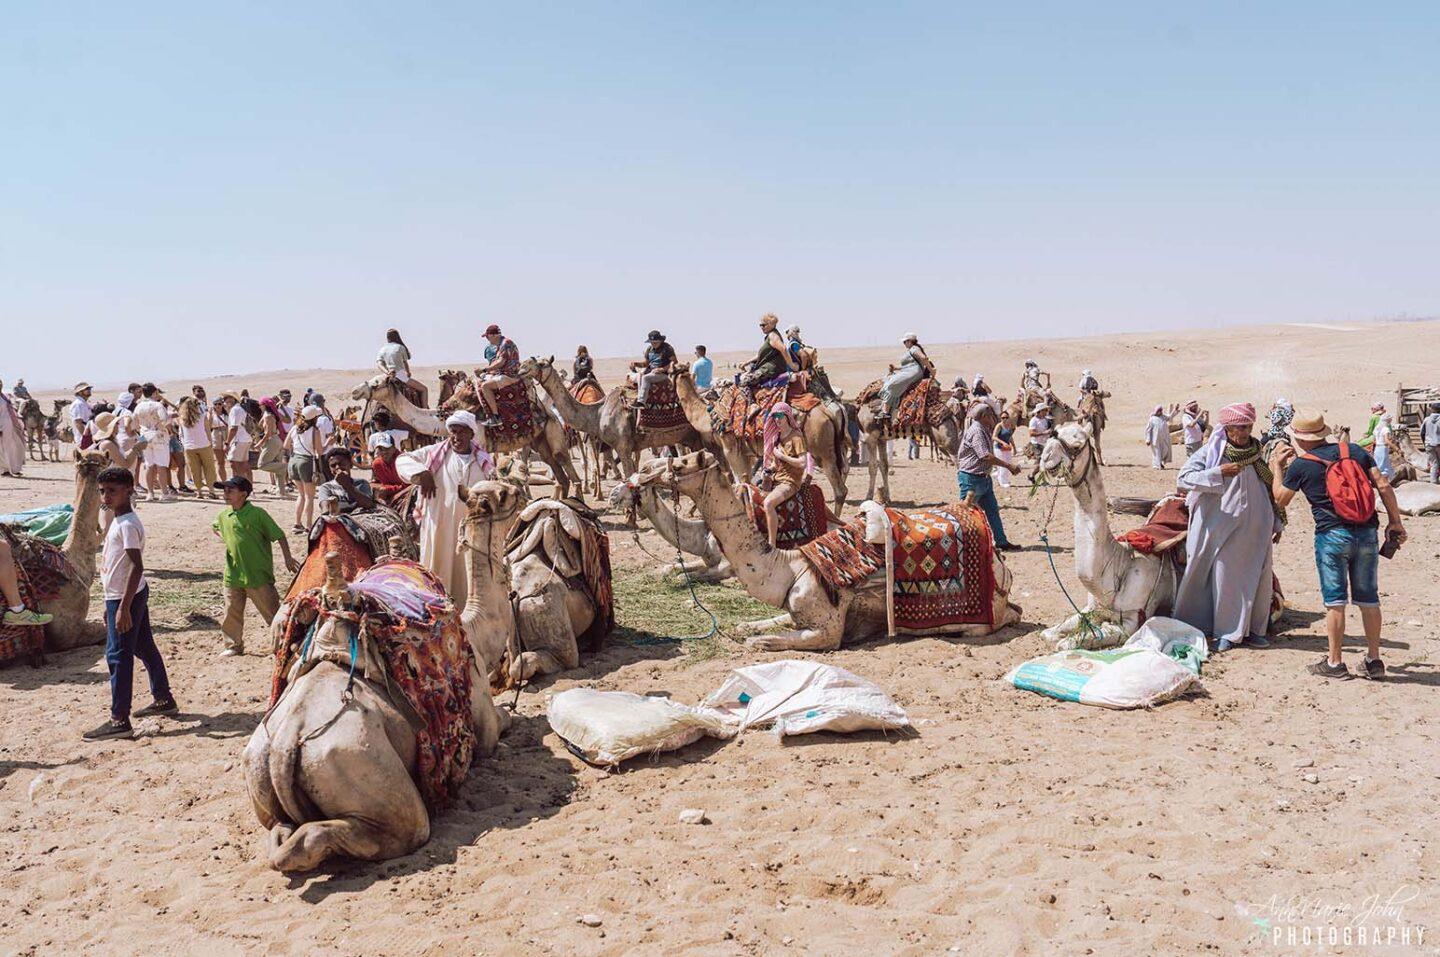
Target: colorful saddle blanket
[(520, 419), (662, 411), (944, 571), (741, 411), (403, 609), (41, 570), (804, 517), (918, 410), (358, 538), (587, 391)]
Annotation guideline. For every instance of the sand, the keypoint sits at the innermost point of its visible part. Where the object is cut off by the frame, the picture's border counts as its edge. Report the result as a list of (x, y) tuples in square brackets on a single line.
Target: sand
[(1009, 824)]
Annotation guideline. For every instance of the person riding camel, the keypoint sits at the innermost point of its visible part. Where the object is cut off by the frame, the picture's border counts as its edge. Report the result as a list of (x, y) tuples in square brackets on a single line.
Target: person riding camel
[(1088, 384), (913, 368), (787, 463), (503, 370), (394, 360), (1030, 378), (770, 363), (658, 364), (20, 391), (583, 367)]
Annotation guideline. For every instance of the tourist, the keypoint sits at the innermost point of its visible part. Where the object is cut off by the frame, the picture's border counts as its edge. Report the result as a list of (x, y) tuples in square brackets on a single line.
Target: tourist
[(788, 465), (439, 470), (769, 365), (960, 391), (974, 462), (219, 432), (1430, 438), (1234, 523), (20, 391), (912, 449), (582, 368), (151, 416), (238, 434), (1346, 547), (248, 532), (914, 367), (1157, 436), (656, 366), (382, 423), (501, 371), (271, 444), (303, 445), (1002, 442), (1041, 428), (16, 614), (1192, 427), (12, 438), (702, 370), (1380, 431), (81, 413), (1367, 441), (1030, 382), (195, 440), (394, 359), (127, 611), (384, 479)]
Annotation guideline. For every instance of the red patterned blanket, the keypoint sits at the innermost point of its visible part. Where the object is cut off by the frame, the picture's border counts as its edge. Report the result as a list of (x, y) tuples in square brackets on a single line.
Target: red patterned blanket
[(919, 409), (519, 419), (426, 655), (741, 411), (1164, 529), (944, 571), (803, 517), (662, 411), (41, 570)]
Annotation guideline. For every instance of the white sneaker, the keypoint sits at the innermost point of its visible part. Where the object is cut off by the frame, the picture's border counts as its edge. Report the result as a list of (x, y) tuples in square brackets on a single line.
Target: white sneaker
[(232, 652)]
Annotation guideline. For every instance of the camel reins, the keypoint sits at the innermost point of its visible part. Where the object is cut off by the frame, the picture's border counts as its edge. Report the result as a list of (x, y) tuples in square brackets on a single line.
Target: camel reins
[(714, 629)]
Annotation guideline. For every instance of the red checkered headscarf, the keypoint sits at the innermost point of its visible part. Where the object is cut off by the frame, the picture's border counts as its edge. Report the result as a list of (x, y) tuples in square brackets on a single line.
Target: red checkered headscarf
[(1241, 413)]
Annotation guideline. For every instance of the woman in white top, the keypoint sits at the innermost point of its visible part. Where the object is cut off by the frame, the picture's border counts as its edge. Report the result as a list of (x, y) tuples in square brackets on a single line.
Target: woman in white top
[(394, 359), (303, 443), (1383, 427), (199, 454)]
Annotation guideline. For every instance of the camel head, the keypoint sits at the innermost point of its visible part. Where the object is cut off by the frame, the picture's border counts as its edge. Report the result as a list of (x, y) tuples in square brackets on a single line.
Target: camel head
[(490, 501), (1069, 452), (683, 473), (371, 387), (536, 367), (451, 375)]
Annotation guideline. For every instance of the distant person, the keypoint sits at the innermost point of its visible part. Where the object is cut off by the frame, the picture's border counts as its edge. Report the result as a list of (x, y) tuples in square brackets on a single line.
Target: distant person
[(127, 612), (195, 438), (702, 370), (1347, 550), (248, 532), (81, 413), (915, 366), (152, 416), (1192, 427), (582, 368), (239, 436), (656, 366), (394, 359), (1430, 438), (303, 444), (1157, 436)]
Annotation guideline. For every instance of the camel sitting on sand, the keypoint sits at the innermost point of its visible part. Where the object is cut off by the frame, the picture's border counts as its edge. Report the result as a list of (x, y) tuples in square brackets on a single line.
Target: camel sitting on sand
[(784, 578), (70, 627)]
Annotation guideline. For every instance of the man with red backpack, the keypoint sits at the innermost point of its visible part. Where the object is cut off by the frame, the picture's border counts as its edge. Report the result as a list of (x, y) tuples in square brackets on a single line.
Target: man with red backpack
[(1340, 482)]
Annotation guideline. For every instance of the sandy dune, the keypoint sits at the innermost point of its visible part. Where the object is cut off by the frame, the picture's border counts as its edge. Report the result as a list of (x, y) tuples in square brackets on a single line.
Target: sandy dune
[(1010, 824)]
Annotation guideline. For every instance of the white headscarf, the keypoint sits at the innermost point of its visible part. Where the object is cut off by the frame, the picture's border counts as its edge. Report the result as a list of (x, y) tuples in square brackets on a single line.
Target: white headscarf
[(124, 400), (467, 419)]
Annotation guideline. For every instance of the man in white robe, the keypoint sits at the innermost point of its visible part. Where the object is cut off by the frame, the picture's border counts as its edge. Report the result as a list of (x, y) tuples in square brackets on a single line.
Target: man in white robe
[(440, 470), (12, 437), (1226, 591), (1157, 436)]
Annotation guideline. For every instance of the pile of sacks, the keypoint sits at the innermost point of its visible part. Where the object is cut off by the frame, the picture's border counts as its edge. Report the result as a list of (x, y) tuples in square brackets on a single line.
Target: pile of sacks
[(1159, 663), (790, 697)]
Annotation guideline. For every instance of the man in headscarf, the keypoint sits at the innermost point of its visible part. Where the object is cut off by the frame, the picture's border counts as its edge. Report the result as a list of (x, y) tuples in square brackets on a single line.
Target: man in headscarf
[(1088, 383), (1157, 435), (1234, 524), (439, 471), (1192, 427)]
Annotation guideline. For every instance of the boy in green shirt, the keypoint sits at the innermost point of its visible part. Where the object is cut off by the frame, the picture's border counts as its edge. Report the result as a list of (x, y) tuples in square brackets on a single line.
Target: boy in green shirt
[(248, 531)]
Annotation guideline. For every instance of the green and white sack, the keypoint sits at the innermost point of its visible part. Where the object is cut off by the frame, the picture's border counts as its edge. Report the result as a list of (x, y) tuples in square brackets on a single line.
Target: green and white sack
[(1122, 678)]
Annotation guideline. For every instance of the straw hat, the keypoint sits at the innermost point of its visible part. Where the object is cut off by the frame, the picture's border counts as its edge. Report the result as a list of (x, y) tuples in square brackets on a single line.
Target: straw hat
[(1310, 428), (81, 387), (104, 426)]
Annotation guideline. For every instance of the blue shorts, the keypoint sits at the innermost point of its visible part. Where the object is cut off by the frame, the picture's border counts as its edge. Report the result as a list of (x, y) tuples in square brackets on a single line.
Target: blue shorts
[(1348, 556)]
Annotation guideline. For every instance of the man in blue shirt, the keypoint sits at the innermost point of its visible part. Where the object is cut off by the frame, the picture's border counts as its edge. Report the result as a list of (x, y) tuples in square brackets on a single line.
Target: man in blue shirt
[(702, 369)]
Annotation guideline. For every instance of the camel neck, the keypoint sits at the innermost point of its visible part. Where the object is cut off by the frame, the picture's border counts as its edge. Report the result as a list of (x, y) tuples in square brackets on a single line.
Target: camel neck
[(578, 415), (84, 525), (1094, 542), (696, 412), (766, 573)]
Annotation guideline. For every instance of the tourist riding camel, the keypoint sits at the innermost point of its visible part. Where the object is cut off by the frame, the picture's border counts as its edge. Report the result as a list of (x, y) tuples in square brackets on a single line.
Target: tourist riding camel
[(656, 367), (770, 363), (788, 465), (915, 367), (582, 370), (395, 359), (502, 369)]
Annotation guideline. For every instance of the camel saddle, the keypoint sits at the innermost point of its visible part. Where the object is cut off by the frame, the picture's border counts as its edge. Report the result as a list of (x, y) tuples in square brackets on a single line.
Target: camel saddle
[(803, 517), (587, 391), (741, 411), (581, 556), (920, 408), (41, 570), (359, 538), (662, 411), (944, 564)]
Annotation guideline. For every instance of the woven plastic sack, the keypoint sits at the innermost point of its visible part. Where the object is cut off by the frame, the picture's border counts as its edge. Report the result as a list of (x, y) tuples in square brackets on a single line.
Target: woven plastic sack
[(607, 727), (1124, 678), (798, 697)]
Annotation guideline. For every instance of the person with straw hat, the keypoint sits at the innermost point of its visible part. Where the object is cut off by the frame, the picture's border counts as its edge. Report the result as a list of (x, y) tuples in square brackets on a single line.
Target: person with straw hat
[(1347, 550)]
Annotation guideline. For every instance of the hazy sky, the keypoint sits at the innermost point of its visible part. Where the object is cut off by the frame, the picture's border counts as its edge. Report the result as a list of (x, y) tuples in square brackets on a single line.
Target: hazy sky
[(190, 190)]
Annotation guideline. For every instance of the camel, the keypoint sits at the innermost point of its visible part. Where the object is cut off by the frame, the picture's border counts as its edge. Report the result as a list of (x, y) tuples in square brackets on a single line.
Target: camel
[(555, 613), (1124, 585), (945, 436), (784, 578), (1092, 412), (69, 628), (33, 418), (549, 443), (332, 769), (825, 439), (612, 422), (707, 563)]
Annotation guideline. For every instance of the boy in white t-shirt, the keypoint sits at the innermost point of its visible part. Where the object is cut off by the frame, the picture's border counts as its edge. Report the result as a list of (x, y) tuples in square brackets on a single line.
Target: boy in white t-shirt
[(127, 611)]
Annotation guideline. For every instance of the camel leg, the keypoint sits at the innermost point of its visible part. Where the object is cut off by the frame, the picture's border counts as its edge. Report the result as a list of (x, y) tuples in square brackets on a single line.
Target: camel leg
[(884, 458), (836, 478), (806, 639), (316, 842), (764, 624), (532, 663)]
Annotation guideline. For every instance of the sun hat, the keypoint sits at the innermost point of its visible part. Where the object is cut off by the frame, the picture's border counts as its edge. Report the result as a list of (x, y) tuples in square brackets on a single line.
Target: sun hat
[(104, 425), (81, 387), (311, 412), (1311, 428), (232, 395), (655, 336), (492, 330), (910, 335)]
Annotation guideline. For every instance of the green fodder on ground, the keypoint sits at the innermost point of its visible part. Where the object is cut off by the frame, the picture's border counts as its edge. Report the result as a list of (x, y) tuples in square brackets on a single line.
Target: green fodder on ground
[(177, 599), (649, 609)]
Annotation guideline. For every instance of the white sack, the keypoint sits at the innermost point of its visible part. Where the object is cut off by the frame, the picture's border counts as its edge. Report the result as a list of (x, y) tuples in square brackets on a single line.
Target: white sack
[(799, 697), (1123, 678), (607, 727)]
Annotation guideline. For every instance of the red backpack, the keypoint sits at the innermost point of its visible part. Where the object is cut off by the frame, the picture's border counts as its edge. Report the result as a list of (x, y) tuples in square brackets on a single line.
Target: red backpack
[(1351, 494)]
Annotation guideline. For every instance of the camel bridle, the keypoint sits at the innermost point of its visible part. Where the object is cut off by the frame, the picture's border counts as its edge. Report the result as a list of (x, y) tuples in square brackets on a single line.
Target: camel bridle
[(1072, 479)]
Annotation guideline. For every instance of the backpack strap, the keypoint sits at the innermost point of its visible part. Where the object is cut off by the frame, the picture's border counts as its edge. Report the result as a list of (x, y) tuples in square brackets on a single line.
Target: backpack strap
[(1312, 457), (1344, 450)]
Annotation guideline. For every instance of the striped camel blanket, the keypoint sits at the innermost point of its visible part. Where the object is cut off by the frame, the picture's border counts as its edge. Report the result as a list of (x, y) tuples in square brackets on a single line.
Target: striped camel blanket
[(944, 571)]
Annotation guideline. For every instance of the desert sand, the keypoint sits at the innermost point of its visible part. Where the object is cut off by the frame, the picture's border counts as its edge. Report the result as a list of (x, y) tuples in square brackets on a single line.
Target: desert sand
[(1008, 824)]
